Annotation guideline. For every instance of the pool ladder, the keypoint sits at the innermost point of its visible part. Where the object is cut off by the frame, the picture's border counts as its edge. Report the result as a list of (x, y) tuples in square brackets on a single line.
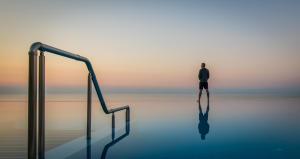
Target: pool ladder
[(36, 97)]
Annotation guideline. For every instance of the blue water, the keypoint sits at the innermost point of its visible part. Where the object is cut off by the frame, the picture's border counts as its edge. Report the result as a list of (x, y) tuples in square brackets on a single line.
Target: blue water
[(167, 126)]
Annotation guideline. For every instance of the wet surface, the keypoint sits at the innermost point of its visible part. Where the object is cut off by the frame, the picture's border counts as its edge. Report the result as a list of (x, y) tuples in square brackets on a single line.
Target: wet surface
[(162, 126)]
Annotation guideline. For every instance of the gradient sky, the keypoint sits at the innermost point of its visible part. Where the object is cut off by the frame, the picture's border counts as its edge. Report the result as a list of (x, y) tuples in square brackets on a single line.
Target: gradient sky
[(155, 44)]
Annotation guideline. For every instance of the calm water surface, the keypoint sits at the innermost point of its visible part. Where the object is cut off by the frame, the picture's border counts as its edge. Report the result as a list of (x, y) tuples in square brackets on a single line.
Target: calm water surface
[(162, 126)]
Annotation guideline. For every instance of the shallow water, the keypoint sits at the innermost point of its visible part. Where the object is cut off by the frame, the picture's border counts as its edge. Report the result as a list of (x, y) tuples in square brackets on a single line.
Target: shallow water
[(162, 126)]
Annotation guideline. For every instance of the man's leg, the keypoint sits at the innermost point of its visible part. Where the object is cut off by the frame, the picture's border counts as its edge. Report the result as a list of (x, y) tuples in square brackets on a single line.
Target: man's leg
[(206, 88), (207, 92), (200, 93)]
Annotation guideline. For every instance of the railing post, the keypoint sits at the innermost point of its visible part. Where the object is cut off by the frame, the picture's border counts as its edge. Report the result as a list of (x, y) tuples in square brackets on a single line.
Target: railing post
[(127, 115), (88, 149), (113, 126), (41, 128), (32, 105), (89, 107), (127, 127)]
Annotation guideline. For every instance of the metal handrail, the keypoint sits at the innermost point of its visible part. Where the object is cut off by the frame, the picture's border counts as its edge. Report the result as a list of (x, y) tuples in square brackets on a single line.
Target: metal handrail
[(46, 48), (32, 96)]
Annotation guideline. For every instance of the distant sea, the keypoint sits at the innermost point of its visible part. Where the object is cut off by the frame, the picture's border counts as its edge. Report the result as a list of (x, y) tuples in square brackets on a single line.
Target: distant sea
[(163, 125)]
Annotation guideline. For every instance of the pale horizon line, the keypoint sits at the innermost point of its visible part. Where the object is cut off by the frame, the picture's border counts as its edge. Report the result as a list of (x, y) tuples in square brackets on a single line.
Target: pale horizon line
[(82, 90)]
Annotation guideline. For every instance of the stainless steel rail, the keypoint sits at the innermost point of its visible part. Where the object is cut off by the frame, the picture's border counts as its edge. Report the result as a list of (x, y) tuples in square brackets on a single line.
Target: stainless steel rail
[(33, 97)]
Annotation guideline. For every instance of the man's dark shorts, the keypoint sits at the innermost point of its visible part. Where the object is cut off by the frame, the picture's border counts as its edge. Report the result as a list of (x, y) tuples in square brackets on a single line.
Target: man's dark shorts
[(203, 85)]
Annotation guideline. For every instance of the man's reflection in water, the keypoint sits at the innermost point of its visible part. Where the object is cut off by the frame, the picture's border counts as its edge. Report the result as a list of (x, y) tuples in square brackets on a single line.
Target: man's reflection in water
[(203, 125)]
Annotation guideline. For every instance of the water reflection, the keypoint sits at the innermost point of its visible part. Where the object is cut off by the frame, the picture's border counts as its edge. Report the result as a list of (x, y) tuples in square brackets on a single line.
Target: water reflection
[(88, 149), (110, 144), (203, 125), (114, 141), (92, 148)]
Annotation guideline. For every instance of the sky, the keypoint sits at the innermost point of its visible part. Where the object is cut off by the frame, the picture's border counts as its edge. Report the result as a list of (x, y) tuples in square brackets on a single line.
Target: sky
[(155, 44)]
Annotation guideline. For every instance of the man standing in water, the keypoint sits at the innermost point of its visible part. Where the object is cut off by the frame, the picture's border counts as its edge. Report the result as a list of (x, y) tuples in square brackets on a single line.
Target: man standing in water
[(203, 77)]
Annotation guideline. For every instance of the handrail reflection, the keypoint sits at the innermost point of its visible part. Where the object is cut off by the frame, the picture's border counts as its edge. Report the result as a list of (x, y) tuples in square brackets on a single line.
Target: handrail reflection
[(109, 145), (203, 125), (114, 141)]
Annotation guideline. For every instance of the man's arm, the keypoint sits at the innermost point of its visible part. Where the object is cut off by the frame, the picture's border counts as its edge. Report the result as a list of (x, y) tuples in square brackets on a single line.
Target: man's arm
[(199, 75)]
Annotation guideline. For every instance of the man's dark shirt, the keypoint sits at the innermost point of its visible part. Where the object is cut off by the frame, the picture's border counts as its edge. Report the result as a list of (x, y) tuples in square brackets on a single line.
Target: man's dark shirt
[(203, 75)]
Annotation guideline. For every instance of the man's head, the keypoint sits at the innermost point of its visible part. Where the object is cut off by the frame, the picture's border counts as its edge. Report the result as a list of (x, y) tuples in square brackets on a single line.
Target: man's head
[(203, 65)]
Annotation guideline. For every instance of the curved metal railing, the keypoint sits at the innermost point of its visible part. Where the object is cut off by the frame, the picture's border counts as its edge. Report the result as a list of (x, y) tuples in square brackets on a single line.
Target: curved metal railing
[(32, 96)]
